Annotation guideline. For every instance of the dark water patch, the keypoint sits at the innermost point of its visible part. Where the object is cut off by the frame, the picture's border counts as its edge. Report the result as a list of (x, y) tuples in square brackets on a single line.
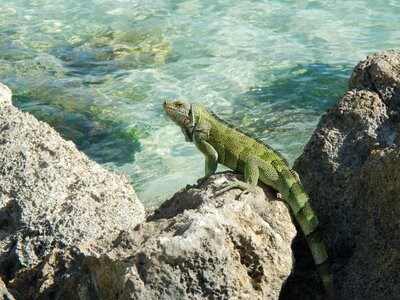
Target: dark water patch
[(103, 140), (286, 110), (306, 86)]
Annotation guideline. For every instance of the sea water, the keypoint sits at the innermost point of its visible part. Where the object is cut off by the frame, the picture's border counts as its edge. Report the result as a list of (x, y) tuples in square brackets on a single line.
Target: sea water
[(99, 70)]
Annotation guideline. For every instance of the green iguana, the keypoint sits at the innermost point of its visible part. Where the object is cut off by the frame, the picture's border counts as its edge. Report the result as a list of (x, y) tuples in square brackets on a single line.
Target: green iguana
[(221, 143)]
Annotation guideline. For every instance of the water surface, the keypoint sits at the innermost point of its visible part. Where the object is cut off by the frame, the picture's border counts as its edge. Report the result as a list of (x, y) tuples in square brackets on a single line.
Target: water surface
[(98, 71)]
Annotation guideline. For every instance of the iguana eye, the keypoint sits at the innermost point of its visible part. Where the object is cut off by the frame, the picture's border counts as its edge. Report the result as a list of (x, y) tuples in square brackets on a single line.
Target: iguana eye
[(186, 121)]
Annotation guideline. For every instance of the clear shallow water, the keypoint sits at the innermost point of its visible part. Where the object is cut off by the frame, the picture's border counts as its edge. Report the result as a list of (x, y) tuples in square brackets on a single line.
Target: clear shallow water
[(99, 70)]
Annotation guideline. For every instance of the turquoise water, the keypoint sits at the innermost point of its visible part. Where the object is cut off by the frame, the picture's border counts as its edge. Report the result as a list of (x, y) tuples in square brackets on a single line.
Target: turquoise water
[(99, 70)]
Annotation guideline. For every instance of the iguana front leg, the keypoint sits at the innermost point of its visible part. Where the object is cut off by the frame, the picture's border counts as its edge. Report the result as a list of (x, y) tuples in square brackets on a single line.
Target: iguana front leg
[(253, 168), (210, 154)]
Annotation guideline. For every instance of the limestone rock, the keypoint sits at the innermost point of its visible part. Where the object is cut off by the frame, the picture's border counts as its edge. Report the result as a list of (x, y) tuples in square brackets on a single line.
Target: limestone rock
[(4, 293), (380, 73), (5, 96), (195, 246), (350, 170), (51, 195)]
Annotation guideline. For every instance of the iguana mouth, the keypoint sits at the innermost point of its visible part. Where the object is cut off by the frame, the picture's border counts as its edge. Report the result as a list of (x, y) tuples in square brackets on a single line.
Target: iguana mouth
[(167, 106), (178, 112)]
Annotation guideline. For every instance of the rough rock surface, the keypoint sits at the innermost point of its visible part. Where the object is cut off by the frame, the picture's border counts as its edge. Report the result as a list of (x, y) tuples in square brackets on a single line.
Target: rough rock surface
[(4, 293), (350, 168), (51, 195), (195, 246)]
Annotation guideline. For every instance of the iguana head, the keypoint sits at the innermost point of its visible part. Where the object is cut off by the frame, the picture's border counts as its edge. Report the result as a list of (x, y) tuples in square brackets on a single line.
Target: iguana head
[(181, 113)]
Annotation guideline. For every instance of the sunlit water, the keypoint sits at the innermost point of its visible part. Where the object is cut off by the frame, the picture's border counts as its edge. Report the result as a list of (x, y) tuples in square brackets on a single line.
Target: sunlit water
[(98, 71)]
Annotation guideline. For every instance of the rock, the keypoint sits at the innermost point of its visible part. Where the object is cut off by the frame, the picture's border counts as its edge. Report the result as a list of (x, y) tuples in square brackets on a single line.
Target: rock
[(4, 293), (195, 246), (51, 195), (5, 96), (379, 73), (350, 170), (375, 264)]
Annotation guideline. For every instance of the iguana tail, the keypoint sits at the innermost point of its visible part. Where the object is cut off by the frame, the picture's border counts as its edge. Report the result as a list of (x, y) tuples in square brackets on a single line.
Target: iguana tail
[(298, 201)]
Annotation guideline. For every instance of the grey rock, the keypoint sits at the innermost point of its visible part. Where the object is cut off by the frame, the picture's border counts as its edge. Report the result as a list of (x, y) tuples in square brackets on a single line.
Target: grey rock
[(5, 96), (380, 73), (195, 246), (51, 195), (4, 293), (350, 170)]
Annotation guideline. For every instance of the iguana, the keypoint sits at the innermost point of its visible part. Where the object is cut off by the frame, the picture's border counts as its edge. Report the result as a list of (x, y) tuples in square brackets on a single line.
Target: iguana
[(221, 143)]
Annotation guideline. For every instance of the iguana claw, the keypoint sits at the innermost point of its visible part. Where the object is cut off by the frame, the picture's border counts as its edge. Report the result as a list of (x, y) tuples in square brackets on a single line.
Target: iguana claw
[(201, 180), (198, 184), (228, 185)]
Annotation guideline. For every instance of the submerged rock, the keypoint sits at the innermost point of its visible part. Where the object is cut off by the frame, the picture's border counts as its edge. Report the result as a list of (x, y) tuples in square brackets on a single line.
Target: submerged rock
[(195, 246), (51, 195), (350, 168)]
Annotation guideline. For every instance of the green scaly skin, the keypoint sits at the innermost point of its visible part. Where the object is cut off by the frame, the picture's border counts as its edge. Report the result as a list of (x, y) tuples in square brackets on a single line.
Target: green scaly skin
[(222, 143)]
